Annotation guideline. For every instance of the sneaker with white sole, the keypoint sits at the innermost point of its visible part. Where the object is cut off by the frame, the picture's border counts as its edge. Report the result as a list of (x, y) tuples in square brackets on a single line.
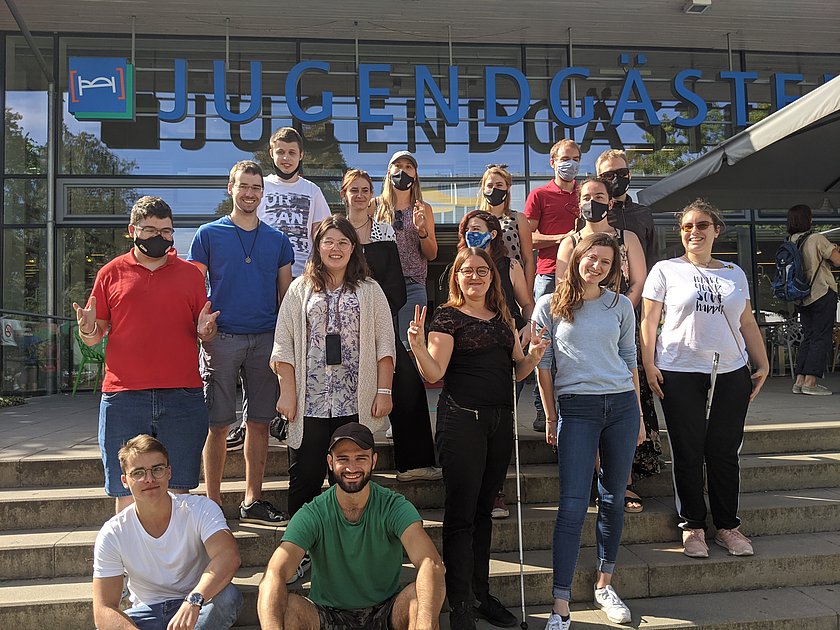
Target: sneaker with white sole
[(816, 390), (556, 622), (694, 543), (262, 513), (609, 601), (500, 510), (734, 542), (796, 389), (389, 432), (303, 569), (427, 473), (235, 438)]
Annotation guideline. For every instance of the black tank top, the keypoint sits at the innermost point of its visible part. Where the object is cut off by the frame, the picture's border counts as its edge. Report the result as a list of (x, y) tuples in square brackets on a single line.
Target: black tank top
[(503, 265)]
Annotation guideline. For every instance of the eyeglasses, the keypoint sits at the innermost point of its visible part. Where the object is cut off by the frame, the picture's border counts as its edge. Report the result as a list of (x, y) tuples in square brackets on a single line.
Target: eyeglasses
[(139, 474), (700, 225), (246, 188), (398, 220), (481, 272), (619, 172), (341, 243), (150, 231), (489, 166)]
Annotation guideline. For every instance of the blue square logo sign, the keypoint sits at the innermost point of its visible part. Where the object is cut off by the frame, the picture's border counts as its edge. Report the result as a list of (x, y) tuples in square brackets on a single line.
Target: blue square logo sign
[(100, 88)]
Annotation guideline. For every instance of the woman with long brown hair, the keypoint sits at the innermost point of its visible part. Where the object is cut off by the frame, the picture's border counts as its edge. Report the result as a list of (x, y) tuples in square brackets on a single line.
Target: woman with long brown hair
[(591, 403), (471, 346)]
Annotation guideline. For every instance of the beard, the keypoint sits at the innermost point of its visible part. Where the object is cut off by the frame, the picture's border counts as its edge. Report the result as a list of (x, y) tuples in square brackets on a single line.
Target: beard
[(352, 487)]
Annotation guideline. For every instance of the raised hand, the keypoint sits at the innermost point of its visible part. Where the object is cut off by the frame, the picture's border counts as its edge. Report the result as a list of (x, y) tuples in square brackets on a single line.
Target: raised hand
[(540, 340), (86, 317), (419, 215), (207, 321), (416, 330)]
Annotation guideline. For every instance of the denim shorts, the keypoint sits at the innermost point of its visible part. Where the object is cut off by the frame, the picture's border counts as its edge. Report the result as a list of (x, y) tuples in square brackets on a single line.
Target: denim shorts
[(228, 359), (177, 417)]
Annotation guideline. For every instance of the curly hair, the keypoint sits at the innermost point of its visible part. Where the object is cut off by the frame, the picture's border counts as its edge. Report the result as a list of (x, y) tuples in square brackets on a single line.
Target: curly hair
[(568, 295)]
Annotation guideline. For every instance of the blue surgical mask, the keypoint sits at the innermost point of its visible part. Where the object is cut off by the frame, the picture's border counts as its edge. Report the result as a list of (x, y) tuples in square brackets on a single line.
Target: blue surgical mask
[(567, 169), (478, 239)]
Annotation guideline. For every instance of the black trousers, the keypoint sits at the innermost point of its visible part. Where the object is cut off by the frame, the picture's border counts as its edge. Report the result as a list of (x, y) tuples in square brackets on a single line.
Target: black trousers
[(817, 327), (308, 464), (474, 448), (413, 443), (716, 442)]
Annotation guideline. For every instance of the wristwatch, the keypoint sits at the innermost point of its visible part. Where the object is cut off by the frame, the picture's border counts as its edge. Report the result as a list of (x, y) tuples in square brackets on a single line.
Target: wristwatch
[(195, 599)]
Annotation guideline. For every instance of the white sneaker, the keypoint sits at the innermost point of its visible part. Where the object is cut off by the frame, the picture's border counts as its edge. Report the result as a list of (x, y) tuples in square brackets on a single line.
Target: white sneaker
[(609, 601), (303, 568), (555, 622), (427, 473), (390, 432)]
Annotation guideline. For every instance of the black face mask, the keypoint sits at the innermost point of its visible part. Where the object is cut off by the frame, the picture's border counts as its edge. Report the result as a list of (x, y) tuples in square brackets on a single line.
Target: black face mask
[(402, 180), (594, 211), (619, 185), (155, 247), (287, 176), (496, 197)]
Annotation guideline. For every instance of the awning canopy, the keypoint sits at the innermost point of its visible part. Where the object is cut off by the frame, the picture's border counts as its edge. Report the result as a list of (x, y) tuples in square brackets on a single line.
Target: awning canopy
[(790, 157)]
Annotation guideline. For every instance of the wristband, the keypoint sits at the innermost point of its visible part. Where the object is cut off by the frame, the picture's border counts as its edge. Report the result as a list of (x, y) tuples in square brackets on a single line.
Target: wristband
[(422, 237), (383, 390), (91, 334)]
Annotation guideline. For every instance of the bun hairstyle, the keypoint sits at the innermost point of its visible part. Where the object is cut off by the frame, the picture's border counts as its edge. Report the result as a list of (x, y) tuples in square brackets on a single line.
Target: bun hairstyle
[(704, 207)]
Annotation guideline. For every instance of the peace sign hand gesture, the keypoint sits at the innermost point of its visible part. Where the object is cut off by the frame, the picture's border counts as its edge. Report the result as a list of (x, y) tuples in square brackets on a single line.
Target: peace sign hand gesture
[(207, 322), (540, 340), (86, 317), (416, 329)]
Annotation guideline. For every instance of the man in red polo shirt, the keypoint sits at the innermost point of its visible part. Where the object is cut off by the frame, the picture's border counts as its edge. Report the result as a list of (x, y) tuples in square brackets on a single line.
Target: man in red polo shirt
[(552, 211), (153, 307)]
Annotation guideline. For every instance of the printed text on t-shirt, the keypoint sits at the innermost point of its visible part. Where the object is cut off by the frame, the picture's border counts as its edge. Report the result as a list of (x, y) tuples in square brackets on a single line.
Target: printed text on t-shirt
[(709, 295), (289, 212)]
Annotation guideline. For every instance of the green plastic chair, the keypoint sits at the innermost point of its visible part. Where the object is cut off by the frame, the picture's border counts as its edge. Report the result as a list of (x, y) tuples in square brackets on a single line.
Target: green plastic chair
[(91, 355)]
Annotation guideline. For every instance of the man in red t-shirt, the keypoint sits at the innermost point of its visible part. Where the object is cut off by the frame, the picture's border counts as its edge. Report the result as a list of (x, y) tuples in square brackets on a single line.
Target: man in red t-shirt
[(552, 211), (153, 308)]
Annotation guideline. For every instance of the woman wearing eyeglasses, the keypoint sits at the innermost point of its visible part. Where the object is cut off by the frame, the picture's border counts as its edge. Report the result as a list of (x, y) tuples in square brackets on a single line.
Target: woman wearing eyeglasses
[(494, 197), (701, 356), (401, 205), (414, 453), (471, 346), (333, 353), (591, 406)]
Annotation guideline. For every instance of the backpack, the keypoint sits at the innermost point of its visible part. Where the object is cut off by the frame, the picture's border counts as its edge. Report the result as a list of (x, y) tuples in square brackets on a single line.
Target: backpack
[(791, 283)]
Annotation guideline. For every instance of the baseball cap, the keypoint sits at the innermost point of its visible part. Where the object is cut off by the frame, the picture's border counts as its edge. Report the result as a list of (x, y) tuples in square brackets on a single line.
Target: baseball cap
[(402, 154), (355, 431)]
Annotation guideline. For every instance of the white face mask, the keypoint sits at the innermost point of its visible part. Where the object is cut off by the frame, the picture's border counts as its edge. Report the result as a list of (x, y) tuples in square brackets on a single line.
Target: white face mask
[(567, 169)]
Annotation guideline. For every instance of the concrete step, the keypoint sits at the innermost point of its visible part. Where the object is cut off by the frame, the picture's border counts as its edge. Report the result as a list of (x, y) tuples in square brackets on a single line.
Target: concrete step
[(83, 467), (42, 508), (644, 572), (52, 553)]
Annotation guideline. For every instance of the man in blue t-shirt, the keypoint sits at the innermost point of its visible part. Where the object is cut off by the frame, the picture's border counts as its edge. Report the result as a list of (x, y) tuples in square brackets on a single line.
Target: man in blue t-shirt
[(355, 533), (249, 267)]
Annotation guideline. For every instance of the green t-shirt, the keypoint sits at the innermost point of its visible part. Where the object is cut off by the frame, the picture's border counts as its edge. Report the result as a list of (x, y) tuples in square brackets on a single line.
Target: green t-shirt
[(354, 565)]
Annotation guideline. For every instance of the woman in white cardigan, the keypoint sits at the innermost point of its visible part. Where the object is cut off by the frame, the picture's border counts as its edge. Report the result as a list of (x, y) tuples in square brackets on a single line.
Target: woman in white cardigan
[(333, 353)]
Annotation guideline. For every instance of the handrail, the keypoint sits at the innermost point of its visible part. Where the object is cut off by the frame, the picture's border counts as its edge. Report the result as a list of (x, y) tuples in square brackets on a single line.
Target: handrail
[(38, 315)]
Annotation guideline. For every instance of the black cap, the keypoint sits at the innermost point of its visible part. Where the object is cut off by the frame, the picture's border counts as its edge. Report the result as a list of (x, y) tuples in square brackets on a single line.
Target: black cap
[(355, 431)]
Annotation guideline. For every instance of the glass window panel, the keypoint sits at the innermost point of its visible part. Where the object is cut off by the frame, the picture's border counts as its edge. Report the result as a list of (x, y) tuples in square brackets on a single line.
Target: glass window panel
[(25, 201), (118, 200), (29, 360), (25, 270)]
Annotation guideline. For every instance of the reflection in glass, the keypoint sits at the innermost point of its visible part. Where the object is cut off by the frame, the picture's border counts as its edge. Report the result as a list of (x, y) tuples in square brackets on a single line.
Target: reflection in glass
[(25, 201), (25, 270)]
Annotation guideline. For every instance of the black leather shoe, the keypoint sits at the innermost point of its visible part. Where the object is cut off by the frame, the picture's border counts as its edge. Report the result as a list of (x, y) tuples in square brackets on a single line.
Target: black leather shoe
[(491, 609), (462, 616)]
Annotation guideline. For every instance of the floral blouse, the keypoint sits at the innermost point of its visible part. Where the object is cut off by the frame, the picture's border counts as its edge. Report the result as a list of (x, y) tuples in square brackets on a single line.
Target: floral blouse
[(331, 389)]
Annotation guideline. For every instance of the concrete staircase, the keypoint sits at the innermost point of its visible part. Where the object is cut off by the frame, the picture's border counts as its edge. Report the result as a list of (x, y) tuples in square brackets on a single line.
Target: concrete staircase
[(51, 508)]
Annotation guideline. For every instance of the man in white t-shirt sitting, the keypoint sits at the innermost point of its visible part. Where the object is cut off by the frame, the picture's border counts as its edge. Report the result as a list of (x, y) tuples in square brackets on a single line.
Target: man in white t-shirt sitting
[(176, 550)]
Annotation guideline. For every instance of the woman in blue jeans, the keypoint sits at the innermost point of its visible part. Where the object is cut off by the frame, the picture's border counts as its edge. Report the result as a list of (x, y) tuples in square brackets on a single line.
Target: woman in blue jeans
[(593, 400)]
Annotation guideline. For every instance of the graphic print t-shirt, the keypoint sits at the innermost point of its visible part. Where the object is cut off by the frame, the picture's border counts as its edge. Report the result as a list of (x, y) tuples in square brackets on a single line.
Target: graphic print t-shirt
[(702, 315), (292, 209)]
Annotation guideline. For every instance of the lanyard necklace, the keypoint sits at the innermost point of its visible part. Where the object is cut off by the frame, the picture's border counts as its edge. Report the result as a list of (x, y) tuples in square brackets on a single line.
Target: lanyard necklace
[(242, 245)]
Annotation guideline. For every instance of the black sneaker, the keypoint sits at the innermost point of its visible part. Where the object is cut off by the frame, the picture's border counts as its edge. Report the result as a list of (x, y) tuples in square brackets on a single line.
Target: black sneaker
[(303, 569), (491, 609), (539, 421), (462, 616), (236, 438), (262, 513)]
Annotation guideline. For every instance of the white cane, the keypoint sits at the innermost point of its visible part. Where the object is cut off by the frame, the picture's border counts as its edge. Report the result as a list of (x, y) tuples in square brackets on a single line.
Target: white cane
[(712, 380), (524, 624)]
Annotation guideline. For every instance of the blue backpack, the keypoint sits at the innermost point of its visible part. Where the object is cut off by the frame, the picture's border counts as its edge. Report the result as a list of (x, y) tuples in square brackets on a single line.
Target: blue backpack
[(792, 283)]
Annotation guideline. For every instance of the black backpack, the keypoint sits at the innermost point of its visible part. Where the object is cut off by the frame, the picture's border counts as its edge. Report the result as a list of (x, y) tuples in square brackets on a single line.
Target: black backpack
[(792, 283)]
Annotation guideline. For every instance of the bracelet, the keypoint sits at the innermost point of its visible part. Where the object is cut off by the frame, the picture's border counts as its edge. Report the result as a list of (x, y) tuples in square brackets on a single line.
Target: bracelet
[(91, 334), (383, 390), (422, 237)]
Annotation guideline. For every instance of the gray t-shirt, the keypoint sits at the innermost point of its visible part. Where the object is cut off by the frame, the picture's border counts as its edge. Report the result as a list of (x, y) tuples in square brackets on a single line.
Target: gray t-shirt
[(595, 353)]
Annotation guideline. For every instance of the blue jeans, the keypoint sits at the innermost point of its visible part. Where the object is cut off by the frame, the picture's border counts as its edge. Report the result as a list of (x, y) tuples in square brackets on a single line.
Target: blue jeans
[(415, 295), (220, 613), (543, 284), (177, 417), (611, 420)]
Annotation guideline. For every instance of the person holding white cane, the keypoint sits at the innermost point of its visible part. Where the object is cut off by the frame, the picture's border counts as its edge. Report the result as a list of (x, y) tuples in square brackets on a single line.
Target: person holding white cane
[(703, 354)]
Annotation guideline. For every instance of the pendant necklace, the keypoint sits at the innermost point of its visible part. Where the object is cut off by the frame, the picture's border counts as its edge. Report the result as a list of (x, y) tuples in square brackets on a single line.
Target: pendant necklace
[(242, 245)]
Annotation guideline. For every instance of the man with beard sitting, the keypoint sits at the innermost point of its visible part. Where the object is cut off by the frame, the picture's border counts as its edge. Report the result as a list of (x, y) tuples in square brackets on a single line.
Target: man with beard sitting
[(355, 533)]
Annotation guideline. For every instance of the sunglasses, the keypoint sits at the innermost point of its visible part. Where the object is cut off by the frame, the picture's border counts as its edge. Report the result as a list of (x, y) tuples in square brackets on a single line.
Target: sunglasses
[(700, 225), (489, 166), (619, 172), (398, 220)]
